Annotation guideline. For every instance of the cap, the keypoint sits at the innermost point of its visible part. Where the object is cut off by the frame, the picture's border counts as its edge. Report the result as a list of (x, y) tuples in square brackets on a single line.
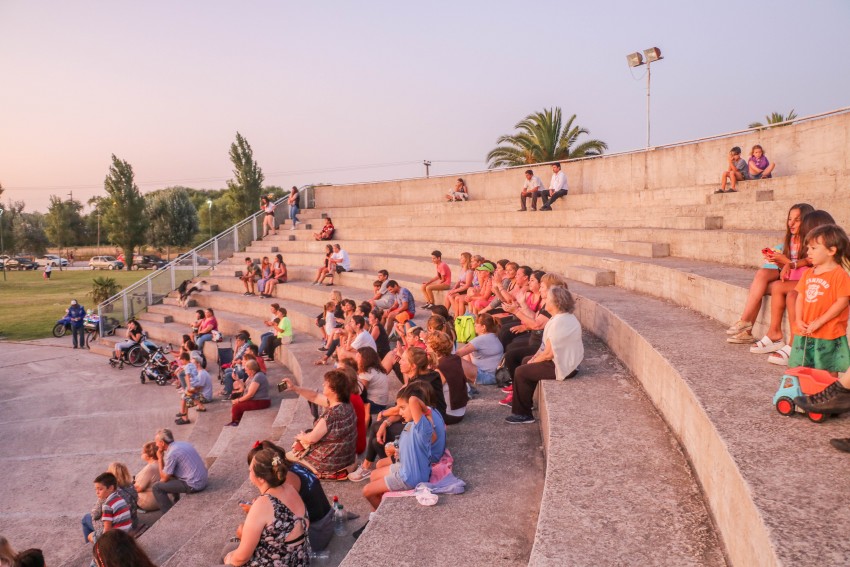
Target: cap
[(486, 267)]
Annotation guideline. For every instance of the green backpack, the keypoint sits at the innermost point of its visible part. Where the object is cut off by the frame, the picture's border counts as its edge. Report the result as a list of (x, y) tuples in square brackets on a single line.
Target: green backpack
[(465, 328)]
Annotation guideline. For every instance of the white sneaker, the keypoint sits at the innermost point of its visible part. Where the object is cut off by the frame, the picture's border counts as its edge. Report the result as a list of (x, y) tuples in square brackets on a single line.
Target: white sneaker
[(767, 346), (359, 474)]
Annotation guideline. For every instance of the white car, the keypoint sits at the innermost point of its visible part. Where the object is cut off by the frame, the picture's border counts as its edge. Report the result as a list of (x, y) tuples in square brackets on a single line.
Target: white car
[(53, 260), (105, 263)]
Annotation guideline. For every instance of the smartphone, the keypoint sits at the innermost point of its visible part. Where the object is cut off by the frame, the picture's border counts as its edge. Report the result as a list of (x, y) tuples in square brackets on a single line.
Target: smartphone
[(245, 502), (282, 387), (768, 251)]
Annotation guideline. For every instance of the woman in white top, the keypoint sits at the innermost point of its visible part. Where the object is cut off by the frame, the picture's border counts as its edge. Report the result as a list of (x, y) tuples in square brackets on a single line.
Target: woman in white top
[(268, 207), (558, 358), (371, 375)]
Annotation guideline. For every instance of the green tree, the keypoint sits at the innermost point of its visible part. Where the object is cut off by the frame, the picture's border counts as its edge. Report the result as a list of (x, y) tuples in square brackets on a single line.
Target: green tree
[(542, 138), (29, 234), (64, 223), (247, 185), (173, 218), (774, 118), (124, 214)]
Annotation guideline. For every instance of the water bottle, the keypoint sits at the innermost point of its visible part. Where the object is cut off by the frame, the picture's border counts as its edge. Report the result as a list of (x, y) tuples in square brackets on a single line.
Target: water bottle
[(339, 520)]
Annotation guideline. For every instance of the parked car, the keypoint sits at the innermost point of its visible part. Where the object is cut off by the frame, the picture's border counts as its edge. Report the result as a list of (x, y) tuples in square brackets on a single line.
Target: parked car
[(105, 263), (20, 263), (148, 262), (53, 260), (187, 261)]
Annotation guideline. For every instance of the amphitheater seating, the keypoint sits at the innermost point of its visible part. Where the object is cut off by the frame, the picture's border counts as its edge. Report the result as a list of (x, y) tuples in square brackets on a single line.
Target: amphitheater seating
[(660, 265)]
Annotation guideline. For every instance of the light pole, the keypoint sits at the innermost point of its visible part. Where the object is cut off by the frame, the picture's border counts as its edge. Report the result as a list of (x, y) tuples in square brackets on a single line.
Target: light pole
[(2, 247), (636, 60), (209, 208), (427, 165)]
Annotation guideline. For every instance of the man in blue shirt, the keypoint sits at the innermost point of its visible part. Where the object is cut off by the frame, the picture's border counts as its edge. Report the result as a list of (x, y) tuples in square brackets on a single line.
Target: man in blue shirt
[(77, 313), (181, 470)]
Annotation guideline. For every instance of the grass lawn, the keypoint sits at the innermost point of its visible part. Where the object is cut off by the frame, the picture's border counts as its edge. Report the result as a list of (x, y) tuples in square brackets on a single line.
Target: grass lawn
[(30, 306)]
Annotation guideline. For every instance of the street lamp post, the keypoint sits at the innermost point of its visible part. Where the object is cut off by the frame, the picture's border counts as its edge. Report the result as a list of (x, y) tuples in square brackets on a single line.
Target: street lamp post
[(2, 247), (636, 60), (209, 207)]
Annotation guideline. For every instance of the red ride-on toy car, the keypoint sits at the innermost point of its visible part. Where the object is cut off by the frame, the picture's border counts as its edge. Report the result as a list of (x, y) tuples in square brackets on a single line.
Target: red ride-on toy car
[(801, 381)]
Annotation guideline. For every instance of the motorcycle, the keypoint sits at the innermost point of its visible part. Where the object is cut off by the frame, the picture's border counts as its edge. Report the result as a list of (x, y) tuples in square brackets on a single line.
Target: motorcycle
[(157, 368), (62, 326)]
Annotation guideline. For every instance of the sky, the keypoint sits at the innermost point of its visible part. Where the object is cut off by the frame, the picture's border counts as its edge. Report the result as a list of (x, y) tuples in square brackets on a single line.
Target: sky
[(340, 92)]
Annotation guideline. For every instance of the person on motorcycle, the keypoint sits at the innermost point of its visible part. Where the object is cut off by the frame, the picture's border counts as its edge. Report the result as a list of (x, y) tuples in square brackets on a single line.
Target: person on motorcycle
[(76, 313), (134, 336)]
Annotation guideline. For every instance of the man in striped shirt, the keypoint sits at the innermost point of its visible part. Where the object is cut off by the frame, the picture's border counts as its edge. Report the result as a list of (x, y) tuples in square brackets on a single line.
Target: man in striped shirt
[(115, 512)]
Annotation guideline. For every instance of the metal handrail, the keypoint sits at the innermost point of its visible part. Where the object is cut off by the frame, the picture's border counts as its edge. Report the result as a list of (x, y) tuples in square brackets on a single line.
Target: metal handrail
[(841, 110), (145, 283)]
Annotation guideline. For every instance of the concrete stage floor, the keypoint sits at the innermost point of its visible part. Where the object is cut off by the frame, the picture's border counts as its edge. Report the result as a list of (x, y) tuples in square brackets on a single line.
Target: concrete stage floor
[(65, 414)]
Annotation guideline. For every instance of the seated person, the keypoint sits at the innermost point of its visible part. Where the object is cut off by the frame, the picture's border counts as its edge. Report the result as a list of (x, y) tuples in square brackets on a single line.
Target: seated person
[(327, 268), (515, 291), (736, 171), (451, 370), (282, 336), (339, 333), (238, 381), (199, 390), (760, 167), (328, 449), (440, 282), (255, 396), (312, 494), (181, 470), (134, 337), (560, 354), (373, 379), (279, 275), (275, 529), (249, 277), (480, 295), (378, 332), (126, 490), (410, 463), (327, 231), (382, 298), (114, 511), (208, 325), (533, 187), (196, 324), (241, 341), (459, 193), (404, 308), (464, 282), (484, 351), (145, 478), (339, 262), (360, 337)]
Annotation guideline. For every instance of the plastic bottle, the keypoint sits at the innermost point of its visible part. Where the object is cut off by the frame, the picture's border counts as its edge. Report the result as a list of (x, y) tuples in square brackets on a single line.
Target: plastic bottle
[(339, 520)]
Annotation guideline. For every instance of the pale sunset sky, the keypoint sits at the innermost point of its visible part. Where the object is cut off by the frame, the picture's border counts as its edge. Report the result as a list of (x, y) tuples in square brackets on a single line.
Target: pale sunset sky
[(341, 92)]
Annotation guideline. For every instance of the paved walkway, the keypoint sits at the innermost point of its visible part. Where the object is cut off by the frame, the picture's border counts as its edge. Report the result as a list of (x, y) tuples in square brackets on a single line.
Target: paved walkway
[(64, 416)]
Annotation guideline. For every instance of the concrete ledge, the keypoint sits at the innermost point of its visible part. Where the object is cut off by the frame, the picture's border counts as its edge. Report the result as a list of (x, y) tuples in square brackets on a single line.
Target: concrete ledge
[(615, 474), (644, 249)]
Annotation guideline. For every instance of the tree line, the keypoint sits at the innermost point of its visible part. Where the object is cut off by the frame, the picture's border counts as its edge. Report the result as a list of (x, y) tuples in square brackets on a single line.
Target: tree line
[(173, 217)]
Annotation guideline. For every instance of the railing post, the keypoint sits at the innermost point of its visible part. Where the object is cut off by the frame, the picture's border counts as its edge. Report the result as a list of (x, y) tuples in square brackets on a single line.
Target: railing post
[(101, 329), (194, 263), (215, 251), (150, 291), (254, 226), (235, 240), (126, 307), (172, 269)]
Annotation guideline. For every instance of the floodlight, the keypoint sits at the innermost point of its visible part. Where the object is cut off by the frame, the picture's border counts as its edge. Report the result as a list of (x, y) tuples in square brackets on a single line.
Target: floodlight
[(652, 54), (634, 59)]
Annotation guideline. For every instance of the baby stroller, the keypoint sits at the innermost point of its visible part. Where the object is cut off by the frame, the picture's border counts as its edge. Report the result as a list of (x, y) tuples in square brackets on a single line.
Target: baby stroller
[(157, 368), (225, 360)]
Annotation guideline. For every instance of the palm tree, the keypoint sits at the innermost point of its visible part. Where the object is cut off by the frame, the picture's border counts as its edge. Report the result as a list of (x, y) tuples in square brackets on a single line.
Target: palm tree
[(541, 139), (774, 118)]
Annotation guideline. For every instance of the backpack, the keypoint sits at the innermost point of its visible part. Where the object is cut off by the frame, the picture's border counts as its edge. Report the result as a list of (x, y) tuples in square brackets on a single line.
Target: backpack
[(216, 336), (465, 328)]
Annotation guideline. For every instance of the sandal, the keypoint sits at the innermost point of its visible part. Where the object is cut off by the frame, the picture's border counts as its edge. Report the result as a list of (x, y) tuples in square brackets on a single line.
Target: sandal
[(180, 414), (767, 345), (201, 409), (738, 327), (321, 362), (182, 421), (742, 338), (780, 357)]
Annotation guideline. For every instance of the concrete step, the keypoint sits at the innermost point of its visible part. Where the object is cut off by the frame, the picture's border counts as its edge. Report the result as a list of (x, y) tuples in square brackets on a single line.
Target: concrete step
[(644, 249), (732, 434), (692, 223), (155, 317)]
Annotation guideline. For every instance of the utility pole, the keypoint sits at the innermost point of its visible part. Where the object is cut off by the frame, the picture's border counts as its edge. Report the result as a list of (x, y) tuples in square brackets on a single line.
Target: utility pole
[(427, 165), (2, 247)]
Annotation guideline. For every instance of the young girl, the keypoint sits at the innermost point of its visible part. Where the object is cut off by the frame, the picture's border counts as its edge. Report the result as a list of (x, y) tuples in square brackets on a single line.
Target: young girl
[(414, 451), (760, 167), (267, 207), (265, 275), (822, 303), (325, 271), (464, 280), (776, 259), (279, 275), (294, 202)]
